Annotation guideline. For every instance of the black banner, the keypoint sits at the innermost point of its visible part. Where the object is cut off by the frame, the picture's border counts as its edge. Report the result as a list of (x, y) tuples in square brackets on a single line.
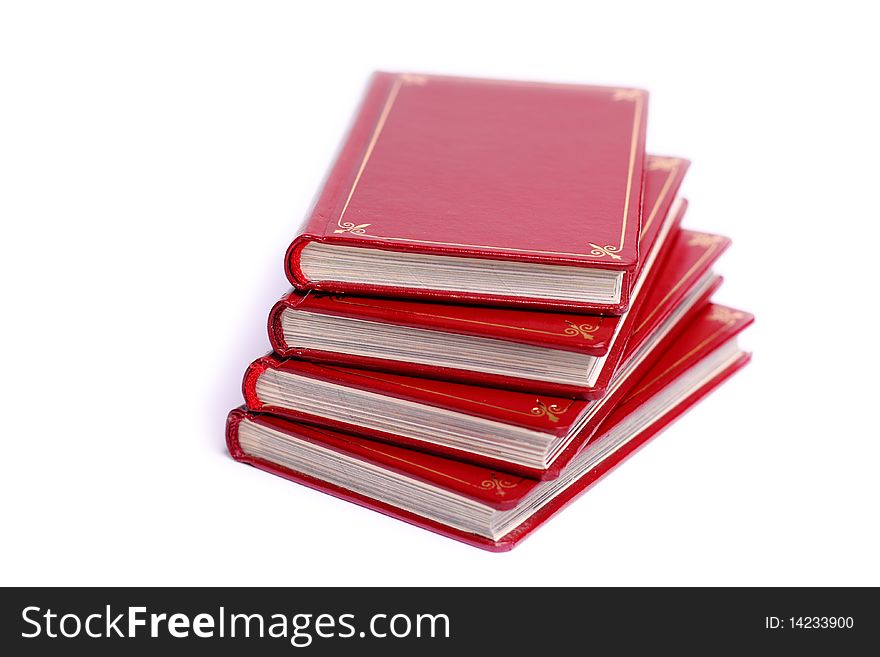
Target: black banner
[(433, 621)]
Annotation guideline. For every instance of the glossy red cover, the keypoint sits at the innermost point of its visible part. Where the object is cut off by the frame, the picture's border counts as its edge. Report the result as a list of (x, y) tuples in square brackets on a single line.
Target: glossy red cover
[(715, 326), (562, 330), (545, 173)]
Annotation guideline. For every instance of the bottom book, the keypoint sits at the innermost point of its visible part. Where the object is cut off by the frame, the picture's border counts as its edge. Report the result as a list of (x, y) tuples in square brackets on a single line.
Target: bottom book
[(487, 508)]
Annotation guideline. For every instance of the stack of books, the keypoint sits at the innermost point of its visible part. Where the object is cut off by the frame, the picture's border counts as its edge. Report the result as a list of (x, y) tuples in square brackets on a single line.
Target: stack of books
[(494, 303)]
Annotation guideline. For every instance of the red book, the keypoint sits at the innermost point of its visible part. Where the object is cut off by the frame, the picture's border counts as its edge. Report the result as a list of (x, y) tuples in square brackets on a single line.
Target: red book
[(488, 508), (492, 346), (531, 434), (484, 192)]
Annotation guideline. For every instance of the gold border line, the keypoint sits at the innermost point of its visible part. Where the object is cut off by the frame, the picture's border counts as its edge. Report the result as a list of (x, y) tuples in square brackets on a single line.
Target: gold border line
[(638, 102), (383, 116), (634, 138)]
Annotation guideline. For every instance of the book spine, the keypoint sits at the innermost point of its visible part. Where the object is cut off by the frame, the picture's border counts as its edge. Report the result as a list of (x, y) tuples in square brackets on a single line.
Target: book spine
[(249, 382), (292, 267), (233, 421), (276, 330)]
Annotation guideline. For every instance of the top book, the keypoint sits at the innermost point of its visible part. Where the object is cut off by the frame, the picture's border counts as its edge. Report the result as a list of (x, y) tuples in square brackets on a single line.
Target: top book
[(482, 192)]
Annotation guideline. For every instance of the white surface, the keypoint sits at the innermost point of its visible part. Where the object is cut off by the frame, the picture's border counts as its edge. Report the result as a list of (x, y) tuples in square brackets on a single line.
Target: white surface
[(155, 161)]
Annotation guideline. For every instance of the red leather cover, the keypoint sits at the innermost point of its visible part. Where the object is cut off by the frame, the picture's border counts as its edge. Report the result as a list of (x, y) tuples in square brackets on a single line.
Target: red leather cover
[(545, 173), (561, 330), (552, 415), (713, 328)]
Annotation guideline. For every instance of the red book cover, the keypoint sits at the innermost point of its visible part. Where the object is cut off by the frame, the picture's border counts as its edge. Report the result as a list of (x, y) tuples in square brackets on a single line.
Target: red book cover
[(564, 331), (539, 180), (482, 507)]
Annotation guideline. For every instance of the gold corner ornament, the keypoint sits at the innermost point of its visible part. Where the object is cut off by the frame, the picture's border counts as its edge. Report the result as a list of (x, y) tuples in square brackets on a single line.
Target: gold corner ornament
[(584, 330), (349, 227), (551, 411), (662, 163), (410, 78), (499, 485), (725, 315), (626, 94), (704, 239), (608, 250)]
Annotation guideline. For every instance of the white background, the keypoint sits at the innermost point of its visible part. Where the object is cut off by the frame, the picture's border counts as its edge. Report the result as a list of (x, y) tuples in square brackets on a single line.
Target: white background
[(157, 158)]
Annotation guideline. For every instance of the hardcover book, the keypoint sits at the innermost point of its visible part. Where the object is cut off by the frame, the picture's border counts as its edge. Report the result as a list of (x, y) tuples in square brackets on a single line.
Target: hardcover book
[(555, 352), (488, 508), (484, 192), (513, 430)]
